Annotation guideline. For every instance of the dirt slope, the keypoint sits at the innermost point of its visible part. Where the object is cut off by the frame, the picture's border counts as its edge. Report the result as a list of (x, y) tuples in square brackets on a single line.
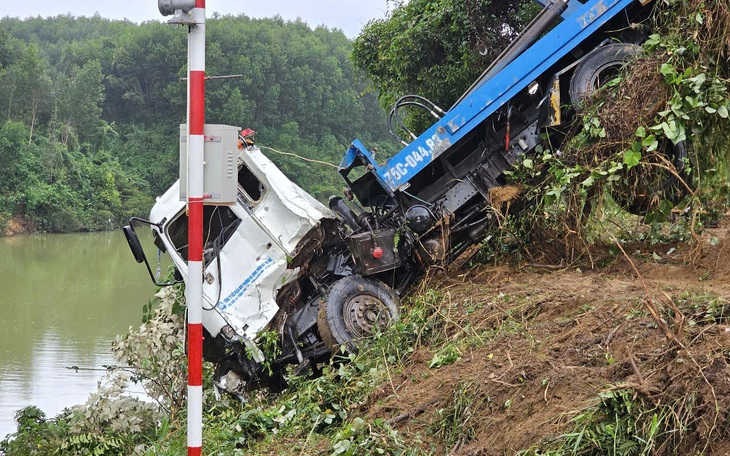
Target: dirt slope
[(542, 343)]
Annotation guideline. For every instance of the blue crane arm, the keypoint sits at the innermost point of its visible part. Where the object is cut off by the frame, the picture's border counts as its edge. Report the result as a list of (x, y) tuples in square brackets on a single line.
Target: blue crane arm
[(474, 109)]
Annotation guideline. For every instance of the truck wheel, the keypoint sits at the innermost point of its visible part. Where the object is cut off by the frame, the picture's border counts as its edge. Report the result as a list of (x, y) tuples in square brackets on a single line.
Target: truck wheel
[(354, 308), (642, 197), (598, 67)]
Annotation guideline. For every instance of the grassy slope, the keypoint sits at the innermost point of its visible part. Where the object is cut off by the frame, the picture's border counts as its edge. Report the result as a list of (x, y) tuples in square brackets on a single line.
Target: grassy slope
[(497, 360)]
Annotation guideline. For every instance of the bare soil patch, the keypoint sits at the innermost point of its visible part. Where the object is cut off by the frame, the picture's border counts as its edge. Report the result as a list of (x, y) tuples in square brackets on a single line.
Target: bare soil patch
[(550, 340), (18, 225)]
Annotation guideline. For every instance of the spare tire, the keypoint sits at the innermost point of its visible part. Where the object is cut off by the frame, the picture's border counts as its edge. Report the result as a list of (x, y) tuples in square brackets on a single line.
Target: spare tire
[(598, 67)]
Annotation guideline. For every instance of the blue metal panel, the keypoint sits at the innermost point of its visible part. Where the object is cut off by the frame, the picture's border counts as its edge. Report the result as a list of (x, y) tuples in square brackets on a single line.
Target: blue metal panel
[(486, 100), (350, 158), (357, 154)]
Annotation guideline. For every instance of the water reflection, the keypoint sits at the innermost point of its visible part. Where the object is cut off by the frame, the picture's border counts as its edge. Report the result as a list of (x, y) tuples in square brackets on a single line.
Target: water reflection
[(63, 299)]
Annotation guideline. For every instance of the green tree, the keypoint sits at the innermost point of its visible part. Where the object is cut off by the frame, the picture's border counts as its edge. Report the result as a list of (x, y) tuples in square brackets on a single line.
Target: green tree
[(13, 138), (146, 60), (436, 48), (27, 88), (80, 95)]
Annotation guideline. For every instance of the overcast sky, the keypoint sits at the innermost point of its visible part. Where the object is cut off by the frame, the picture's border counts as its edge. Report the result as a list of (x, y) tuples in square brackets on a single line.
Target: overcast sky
[(348, 15)]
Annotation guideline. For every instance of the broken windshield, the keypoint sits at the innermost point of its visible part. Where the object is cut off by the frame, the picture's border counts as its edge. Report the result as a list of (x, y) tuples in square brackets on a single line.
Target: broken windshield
[(219, 223)]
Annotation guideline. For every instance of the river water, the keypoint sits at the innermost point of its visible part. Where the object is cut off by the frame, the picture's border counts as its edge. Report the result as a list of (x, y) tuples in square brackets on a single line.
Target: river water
[(64, 298)]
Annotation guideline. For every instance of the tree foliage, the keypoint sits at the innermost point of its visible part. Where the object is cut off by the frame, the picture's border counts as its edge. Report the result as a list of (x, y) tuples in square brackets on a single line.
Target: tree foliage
[(90, 109), (436, 48)]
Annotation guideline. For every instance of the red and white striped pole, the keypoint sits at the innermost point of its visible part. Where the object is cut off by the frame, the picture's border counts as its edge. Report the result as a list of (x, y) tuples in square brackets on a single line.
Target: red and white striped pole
[(192, 14), (194, 286)]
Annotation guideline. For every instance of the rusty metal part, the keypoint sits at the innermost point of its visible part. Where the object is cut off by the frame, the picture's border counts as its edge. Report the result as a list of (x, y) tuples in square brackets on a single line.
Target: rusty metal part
[(363, 313)]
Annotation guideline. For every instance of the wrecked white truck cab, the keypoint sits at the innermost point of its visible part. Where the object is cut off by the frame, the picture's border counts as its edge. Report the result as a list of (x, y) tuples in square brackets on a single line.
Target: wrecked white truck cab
[(271, 216), (269, 259)]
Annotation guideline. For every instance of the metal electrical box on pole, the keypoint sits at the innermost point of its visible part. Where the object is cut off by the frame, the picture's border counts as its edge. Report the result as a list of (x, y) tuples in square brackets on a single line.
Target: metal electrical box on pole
[(220, 169)]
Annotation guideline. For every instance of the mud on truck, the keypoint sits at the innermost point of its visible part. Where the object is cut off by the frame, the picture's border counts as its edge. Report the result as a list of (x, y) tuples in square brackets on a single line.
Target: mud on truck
[(323, 278)]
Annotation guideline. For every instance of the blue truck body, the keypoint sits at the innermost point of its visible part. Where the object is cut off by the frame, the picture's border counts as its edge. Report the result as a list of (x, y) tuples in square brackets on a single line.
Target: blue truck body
[(444, 177), (581, 21)]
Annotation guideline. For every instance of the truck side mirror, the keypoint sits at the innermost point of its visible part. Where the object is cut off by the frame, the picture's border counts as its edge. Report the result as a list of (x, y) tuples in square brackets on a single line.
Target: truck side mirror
[(134, 245)]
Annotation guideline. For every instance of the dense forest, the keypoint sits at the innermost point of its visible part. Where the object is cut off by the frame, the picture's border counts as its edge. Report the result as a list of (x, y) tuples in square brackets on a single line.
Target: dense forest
[(90, 108)]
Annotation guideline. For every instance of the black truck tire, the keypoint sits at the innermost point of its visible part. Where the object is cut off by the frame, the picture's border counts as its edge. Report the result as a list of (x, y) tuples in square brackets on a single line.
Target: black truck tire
[(353, 308), (673, 188), (598, 67)]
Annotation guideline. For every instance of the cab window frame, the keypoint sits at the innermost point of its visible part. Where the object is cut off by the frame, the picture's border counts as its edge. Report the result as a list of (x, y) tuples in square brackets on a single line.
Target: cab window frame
[(261, 188)]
